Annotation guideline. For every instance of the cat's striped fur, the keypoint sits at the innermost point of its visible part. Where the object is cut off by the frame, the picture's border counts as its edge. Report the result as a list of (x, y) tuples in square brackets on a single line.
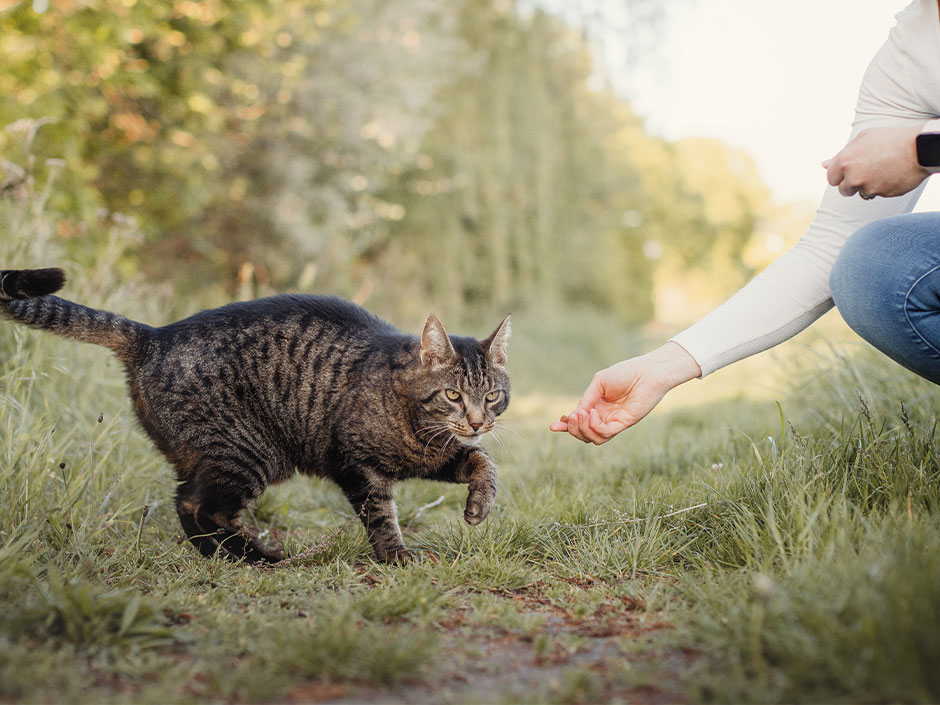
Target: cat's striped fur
[(241, 397)]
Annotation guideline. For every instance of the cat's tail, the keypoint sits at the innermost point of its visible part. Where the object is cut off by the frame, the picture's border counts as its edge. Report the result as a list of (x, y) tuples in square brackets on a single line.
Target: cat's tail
[(25, 298)]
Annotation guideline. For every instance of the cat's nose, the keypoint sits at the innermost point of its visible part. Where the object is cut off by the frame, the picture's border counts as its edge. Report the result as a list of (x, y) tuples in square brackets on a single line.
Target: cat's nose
[(475, 425)]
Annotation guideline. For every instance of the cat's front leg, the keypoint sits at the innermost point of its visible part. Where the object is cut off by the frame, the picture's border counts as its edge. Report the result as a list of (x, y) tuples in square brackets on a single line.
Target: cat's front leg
[(371, 498), (481, 486), (476, 468)]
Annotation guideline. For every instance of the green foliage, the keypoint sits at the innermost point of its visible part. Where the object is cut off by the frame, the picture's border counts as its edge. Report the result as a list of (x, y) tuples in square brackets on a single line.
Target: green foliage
[(77, 611), (812, 577), (457, 153), (222, 125), (858, 624)]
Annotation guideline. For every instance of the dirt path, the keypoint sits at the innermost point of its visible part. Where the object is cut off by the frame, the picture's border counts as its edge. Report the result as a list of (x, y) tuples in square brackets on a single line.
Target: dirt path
[(615, 653)]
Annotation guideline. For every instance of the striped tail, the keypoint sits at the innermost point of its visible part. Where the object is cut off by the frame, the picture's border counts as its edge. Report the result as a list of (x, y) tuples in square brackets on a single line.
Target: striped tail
[(25, 298)]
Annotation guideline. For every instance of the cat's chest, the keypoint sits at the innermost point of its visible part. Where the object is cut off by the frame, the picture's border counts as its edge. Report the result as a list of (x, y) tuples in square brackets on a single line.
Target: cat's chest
[(392, 455), (387, 447), (405, 459)]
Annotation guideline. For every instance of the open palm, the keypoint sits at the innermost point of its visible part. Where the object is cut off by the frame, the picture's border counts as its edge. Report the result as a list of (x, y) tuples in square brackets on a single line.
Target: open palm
[(621, 395), (617, 398)]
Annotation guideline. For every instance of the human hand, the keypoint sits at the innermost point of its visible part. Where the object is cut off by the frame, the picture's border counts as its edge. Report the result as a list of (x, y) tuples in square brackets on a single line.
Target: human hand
[(879, 161), (621, 395)]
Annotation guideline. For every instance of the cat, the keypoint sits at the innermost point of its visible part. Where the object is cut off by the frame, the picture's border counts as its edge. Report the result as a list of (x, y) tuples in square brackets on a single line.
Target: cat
[(243, 396)]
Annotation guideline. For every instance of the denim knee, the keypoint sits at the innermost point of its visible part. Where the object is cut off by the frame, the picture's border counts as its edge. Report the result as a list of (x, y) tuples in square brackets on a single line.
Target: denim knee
[(852, 280), (886, 285), (849, 281)]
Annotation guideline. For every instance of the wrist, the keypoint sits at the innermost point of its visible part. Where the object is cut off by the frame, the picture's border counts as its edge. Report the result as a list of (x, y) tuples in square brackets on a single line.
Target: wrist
[(673, 365)]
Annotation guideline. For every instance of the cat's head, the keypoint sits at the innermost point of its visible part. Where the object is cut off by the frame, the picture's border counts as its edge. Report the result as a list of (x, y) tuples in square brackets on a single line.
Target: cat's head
[(462, 384)]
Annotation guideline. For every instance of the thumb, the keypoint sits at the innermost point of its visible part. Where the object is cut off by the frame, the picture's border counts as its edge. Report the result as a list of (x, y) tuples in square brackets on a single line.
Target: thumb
[(592, 394)]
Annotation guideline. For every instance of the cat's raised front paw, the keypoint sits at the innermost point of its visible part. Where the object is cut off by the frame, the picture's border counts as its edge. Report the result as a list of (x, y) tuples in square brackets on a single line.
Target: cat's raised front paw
[(478, 507)]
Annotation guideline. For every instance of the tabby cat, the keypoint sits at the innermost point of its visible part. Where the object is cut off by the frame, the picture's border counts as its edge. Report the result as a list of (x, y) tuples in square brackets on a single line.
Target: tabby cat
[(243, 396)]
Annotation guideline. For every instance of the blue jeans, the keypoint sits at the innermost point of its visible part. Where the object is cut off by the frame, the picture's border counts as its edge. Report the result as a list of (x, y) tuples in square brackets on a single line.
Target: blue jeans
[(886, 285)]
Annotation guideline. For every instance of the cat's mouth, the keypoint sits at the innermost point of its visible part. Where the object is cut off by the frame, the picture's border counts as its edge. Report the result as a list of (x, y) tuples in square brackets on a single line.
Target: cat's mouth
[(472, 435)]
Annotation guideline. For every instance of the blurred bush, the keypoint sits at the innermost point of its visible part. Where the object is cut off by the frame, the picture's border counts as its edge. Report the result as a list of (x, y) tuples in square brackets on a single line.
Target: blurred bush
[(462, 153)]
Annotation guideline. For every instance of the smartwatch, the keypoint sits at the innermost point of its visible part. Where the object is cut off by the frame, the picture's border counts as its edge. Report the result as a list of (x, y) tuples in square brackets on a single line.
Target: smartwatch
[(928, 151)]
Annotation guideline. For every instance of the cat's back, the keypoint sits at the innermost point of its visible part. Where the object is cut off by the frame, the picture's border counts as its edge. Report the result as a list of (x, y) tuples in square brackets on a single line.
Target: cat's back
[(273, 338), (280, 314)]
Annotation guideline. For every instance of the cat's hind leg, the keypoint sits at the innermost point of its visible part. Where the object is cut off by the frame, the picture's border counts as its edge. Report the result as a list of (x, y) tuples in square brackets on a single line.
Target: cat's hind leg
[(210, 507)]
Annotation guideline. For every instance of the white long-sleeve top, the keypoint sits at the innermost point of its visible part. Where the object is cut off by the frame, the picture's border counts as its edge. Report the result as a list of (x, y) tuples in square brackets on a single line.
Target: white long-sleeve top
[(900, 87)]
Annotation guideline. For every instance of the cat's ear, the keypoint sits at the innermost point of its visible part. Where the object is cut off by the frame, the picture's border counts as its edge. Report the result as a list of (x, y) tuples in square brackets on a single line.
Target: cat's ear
[(498, 343), (436, 348)]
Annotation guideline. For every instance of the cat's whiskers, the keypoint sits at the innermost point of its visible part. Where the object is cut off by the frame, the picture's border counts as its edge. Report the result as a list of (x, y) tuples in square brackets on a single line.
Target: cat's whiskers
[(503, 445), (428, 444), (454, 432), (437, 429), (506, 428), (500, 432)]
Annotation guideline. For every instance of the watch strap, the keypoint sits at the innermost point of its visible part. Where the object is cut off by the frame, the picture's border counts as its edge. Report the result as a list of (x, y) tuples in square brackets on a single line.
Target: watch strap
[(928, 147)]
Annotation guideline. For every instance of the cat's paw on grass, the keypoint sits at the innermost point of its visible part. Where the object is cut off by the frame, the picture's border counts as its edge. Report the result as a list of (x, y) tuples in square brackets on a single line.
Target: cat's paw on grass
[(397, 556)]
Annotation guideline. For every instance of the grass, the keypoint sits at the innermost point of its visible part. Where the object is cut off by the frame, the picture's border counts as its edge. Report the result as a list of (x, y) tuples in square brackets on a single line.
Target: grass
[(727, 551)]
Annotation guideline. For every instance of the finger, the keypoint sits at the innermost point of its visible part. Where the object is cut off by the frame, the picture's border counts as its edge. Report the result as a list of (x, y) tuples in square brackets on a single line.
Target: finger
[(825, 164), (593, 394), (610, 429), (836, 176), (571, 425), (576, 423), (606, 429), (559, 425), (834, 171), (591, 428)]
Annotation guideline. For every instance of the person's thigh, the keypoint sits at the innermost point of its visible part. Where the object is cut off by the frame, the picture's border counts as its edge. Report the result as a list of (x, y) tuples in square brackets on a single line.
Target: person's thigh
[(886, 285)]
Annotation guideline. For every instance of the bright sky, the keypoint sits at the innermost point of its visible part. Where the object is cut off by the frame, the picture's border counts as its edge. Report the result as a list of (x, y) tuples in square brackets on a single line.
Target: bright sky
[(777, 79)]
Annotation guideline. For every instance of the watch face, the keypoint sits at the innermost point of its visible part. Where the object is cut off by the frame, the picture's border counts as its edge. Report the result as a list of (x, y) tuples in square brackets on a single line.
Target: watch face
[(928, 149)]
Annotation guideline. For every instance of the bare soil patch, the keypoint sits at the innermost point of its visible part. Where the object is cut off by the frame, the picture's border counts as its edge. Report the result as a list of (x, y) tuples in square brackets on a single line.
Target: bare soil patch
[(616, 652)]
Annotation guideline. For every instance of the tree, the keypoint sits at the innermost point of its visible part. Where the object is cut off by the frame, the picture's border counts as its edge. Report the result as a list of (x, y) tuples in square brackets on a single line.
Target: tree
[(462, 153)]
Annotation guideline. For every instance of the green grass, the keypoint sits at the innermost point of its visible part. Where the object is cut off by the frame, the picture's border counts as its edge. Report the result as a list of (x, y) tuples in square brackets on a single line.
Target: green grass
[(809, 573)]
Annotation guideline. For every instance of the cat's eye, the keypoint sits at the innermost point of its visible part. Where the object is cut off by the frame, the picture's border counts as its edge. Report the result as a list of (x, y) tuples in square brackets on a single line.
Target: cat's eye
[(493, 396), (452, 394)]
